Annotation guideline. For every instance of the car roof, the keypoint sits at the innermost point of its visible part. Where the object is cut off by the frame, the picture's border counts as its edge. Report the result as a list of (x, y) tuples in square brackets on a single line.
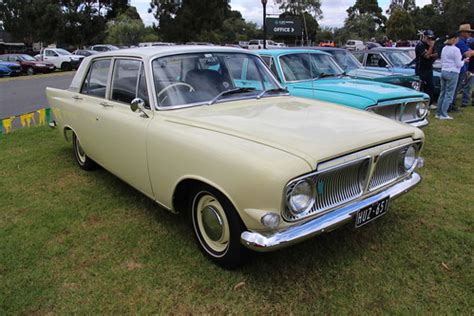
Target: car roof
[(282, 51), (155, 51)]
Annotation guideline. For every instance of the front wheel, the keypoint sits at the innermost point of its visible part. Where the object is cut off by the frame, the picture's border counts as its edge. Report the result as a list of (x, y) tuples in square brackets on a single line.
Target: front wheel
[(217, 227), (30, 71), (80, 156)]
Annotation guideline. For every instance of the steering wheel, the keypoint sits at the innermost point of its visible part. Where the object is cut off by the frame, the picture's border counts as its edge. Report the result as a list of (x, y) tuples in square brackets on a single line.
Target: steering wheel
[(174, 85)]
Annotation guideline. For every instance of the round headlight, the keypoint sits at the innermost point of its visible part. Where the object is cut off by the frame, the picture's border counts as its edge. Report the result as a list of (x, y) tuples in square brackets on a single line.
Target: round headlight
[(421, 109), (301, 197), (416, 85), (409, 159)]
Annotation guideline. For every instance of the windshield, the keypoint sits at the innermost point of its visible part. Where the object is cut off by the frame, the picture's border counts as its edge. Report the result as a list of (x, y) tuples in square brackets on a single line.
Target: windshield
[(26, 57), (61, 51), (307, 66), (410, 52), (204, 78), (346, 60), (398, 59)]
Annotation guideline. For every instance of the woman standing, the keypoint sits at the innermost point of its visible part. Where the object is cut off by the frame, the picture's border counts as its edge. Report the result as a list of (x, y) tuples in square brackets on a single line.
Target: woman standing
[(451, 64)]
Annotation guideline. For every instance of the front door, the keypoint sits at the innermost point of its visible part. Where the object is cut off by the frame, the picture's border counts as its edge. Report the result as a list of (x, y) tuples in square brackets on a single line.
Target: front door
[(123, 133)]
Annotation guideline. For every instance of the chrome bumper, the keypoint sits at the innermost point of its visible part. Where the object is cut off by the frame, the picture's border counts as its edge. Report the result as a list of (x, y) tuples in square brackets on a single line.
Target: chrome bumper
[(421, 123), (325, 223)]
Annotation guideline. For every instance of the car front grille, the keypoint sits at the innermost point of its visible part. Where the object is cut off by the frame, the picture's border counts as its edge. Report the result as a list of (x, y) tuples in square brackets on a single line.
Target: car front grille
[(343, 183), (394, 112), (336, 186), (388, 168)]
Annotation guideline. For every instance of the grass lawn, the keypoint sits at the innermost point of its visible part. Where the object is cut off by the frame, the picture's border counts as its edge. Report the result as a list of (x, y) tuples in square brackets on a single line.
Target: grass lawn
[(79, 242)]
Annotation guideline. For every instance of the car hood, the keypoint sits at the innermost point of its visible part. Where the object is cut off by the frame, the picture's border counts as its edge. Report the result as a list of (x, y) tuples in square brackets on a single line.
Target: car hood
[(312, 130), (8, 64), (382, 74), (375, 91)]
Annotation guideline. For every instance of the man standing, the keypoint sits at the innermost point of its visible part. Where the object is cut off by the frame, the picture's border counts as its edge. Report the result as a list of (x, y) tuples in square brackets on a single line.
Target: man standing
[(467, 90), (425, 57), (464, 34)]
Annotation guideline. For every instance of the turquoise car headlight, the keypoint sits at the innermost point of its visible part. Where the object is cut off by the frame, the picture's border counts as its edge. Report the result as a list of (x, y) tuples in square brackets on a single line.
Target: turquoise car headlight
[(421, 109), (416, 85)]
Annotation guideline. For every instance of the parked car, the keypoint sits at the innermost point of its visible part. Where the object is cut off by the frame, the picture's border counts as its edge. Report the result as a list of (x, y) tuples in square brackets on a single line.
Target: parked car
[(395, 59), (251, 166), (258, 44), (60, 58), (29, 65), (327, 44), (370, 45), (354, 45), (104, 48), (314, 74), (354, 69), (9, 69), (84, 52)]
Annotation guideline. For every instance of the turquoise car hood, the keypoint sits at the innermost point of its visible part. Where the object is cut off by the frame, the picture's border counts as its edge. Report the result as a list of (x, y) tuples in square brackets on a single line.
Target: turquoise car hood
[(380, 75), (352, 92)]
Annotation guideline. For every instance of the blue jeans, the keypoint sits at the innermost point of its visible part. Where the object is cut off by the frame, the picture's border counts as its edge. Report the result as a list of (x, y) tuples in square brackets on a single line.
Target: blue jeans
[(449, 81), (467, 90)]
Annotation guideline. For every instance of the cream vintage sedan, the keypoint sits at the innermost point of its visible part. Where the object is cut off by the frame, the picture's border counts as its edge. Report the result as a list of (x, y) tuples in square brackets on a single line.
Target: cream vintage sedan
[(253, 167)]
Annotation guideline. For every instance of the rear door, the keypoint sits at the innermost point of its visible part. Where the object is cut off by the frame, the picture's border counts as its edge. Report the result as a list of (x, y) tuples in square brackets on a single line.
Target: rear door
[(88, 103), (121, 132)]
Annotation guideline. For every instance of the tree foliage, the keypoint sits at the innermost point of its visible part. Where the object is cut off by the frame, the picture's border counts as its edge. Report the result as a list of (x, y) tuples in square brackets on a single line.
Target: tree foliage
[(400, 25), (125, 30), (365, 14), (298, 7)]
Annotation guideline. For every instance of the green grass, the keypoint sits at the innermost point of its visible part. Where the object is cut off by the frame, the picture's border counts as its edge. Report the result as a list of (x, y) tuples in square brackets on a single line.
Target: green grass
[(79, 242)]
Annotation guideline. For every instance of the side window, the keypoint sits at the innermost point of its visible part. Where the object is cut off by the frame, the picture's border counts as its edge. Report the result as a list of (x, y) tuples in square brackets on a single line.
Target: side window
[(270, 62), (359, 56), (125, 80), (129, 82), (267, 60), (50, 53), (375, 60), (96, 80)]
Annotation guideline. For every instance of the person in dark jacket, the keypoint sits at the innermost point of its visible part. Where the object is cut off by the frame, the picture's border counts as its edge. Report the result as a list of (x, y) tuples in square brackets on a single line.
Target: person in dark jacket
[(467, 90), (425, 57)]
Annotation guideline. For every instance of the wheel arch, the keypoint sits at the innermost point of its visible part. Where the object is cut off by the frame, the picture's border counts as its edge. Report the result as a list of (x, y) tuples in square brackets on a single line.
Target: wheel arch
[(186, 184)]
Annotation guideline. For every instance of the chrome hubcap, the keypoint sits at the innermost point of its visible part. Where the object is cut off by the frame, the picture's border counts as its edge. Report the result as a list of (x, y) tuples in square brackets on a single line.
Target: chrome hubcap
[(212, 223)]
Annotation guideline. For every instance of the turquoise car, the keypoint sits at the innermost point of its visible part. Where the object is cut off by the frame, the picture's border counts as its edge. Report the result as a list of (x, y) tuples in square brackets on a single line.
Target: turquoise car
[(316, 75)]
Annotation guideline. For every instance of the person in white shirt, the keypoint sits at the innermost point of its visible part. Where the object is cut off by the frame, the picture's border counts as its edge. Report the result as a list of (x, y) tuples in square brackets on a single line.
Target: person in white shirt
[(451, 64)]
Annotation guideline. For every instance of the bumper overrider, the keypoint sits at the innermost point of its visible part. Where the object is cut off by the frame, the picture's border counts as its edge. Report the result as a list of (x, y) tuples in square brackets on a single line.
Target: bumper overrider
[(424, 122), (325, 223)]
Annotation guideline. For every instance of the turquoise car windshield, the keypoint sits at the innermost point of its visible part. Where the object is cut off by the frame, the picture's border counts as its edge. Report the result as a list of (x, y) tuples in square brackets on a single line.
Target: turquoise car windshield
[(208, 78), (308, 66), (346, 60), (398, 59)]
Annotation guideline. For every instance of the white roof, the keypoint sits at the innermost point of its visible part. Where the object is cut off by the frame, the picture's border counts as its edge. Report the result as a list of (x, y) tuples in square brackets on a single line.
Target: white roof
[(154, 51)]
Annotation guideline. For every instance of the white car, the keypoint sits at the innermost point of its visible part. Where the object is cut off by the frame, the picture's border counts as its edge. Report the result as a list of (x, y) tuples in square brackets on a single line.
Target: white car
[(258, 44), (61, 58), (354, 45)]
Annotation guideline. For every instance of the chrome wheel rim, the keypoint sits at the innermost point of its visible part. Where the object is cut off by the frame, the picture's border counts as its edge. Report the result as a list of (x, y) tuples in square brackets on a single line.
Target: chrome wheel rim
[(30, 71), (211, 224)]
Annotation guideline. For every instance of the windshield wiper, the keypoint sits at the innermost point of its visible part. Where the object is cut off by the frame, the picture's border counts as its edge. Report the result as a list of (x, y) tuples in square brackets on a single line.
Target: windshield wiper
[(264, 92), (324, 75), (229, 92)]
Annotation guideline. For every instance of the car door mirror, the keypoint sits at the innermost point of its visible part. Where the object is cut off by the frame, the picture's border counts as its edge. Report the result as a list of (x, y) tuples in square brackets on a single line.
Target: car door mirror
[(138, 104)]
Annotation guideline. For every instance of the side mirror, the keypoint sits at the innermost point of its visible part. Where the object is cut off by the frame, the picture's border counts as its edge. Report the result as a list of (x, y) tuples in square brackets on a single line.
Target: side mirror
[(138, 104)]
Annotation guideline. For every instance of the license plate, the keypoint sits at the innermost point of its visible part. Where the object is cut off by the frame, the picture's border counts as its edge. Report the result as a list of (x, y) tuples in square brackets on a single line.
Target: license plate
[(371, 212)]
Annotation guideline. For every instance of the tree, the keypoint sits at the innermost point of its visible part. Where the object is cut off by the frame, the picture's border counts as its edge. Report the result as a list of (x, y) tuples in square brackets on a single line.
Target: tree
[(125, 30), (366, 13), (74, 22), (297, 7), (400, 25), (186, 20)]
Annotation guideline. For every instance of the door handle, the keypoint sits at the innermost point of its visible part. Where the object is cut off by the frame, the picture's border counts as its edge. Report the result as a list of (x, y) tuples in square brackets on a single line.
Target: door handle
[(76, 97), (105, 104)]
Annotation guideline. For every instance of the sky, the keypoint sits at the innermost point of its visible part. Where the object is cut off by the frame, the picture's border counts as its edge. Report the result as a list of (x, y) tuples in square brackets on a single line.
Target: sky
[(334, 11)]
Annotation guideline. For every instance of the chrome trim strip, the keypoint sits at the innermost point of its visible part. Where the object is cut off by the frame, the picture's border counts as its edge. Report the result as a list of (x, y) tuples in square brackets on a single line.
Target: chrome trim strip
[(269, 242)]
